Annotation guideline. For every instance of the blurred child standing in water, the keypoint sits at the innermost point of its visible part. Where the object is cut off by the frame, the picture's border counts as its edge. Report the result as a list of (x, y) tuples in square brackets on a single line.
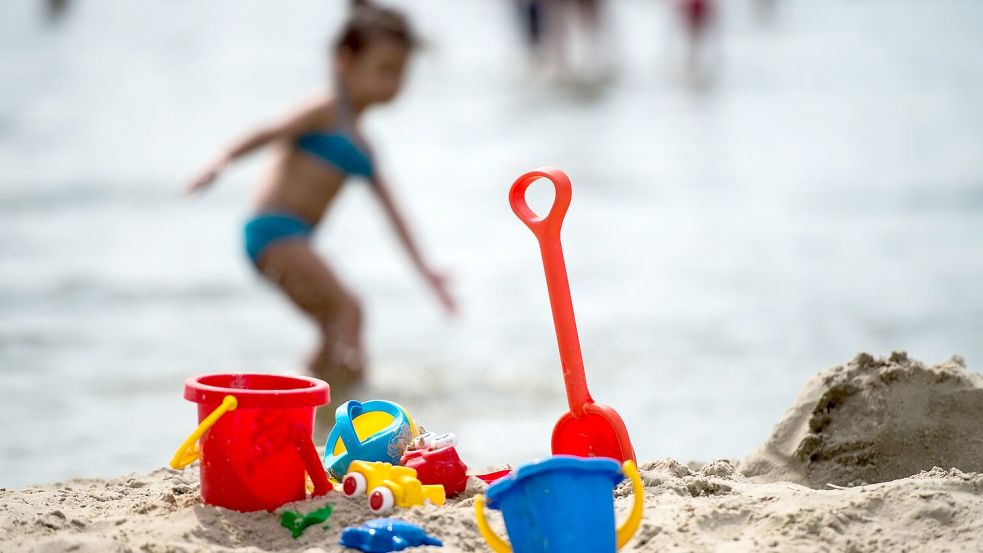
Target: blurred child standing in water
[(319, 146), (568, 39), (697, 17)]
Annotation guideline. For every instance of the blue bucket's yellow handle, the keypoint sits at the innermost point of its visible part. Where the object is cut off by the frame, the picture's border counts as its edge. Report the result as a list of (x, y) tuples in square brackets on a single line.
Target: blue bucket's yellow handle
[(190, 451), (630, 526), (624, 533), (497, 544)]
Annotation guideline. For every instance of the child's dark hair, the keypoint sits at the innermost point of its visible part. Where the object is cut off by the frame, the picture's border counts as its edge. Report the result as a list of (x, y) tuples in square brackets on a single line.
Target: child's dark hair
[(368, 23)]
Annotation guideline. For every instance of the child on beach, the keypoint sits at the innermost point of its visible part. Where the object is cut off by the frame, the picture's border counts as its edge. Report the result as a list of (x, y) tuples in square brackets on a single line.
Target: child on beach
[(319, 147)]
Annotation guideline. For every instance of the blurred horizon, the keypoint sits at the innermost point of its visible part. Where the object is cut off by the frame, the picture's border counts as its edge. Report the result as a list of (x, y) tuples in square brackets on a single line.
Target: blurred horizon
[(821, 196)]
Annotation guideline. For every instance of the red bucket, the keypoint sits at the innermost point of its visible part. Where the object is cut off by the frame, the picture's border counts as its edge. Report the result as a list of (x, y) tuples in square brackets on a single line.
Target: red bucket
[(255, 432)]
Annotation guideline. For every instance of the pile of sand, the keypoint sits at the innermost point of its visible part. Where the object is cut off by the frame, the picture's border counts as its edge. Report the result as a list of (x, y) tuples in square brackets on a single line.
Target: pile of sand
[(875, 420), (868, 421)]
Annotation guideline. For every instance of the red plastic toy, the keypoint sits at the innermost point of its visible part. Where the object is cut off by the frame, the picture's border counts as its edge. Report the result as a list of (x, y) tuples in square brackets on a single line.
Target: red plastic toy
[(438, 466), (589, 429), (492, 477), (255, 432)]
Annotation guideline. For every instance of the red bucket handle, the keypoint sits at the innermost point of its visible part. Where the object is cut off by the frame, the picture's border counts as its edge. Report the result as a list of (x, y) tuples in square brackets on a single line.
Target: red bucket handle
[(312, 461), (189, 451)]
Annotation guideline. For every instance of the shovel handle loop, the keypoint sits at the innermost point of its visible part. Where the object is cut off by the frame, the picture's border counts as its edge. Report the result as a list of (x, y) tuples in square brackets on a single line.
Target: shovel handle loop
[(630, 526), (189, 451), (547, 226), (497, 544)]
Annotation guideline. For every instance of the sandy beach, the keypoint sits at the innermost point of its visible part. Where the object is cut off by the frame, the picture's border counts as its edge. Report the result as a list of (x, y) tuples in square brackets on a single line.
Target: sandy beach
[(879, 454), (759, 191), (835, 147)]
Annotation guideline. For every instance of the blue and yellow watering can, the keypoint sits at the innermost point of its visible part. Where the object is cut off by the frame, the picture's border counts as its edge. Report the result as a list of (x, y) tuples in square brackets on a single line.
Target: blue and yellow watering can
[(375, 430)]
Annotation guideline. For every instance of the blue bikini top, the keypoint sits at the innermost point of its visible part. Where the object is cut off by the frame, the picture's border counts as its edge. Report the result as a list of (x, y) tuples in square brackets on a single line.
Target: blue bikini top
[(338, 150)]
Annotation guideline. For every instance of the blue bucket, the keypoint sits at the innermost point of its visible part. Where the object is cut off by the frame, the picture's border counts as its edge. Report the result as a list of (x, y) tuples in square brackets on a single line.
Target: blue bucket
[(563, 504)]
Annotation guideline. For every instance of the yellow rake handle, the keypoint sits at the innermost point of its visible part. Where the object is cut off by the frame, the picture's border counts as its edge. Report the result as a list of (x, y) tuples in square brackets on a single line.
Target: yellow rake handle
[(190, 451)]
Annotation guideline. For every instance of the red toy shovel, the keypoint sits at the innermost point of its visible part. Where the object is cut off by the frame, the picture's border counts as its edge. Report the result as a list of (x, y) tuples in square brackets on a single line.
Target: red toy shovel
[(589, 429)]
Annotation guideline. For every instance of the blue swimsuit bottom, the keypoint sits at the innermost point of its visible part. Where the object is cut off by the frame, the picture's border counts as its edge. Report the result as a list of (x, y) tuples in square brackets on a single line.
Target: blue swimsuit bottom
[(267, 228)]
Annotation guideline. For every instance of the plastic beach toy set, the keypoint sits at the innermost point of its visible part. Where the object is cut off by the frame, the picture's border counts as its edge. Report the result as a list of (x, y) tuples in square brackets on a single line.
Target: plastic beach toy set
[(256, 453)]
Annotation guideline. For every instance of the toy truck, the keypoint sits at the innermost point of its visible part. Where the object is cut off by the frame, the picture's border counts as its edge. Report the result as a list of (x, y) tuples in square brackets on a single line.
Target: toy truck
[(389, 486)]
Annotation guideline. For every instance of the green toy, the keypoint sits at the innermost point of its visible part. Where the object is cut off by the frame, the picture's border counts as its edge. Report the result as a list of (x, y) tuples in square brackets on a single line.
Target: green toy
[(297, 522)]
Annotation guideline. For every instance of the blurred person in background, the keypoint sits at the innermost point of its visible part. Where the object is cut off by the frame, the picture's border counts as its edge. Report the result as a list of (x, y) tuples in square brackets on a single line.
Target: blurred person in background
[(319, 146), (55, 10), (568, 39), (532, 15), (765, 10), (697, 18)]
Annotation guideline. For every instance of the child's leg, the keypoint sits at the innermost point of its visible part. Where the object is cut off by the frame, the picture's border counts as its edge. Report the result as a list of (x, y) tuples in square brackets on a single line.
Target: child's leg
[(315, 289)]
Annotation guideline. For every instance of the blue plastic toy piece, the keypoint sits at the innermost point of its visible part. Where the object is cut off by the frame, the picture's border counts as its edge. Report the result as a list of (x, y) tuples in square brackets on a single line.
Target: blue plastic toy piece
[(382, 535), (561, 503), (385, 443)]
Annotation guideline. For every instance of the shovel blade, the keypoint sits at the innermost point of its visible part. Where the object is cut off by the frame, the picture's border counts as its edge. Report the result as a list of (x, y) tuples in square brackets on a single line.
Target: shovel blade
[(599, 432)]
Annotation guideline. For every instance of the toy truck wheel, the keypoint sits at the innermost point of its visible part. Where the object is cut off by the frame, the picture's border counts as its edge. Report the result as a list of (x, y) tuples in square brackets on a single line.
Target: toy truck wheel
[(381, 500), (353, 484)]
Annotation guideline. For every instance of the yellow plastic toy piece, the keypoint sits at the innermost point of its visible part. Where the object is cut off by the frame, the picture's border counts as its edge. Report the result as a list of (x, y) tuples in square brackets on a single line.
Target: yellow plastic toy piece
[(376, 472), (405, 487), (623, 534), (373, 422), (408, 491), (189, 451)]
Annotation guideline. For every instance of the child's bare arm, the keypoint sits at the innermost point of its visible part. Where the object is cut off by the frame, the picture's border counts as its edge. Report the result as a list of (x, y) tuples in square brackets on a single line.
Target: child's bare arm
[(291, 126), (436, 281)]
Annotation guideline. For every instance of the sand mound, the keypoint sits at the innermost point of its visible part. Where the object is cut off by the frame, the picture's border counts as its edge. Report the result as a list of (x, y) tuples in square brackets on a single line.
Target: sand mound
[(875, 420)]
